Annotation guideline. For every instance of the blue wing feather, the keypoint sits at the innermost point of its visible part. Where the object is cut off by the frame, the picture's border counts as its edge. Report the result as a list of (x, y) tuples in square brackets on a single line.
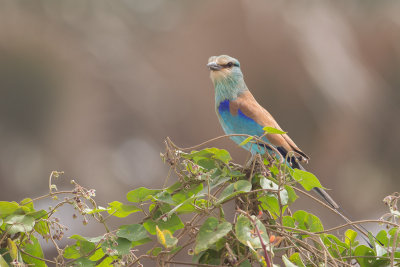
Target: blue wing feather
[(240, 124)]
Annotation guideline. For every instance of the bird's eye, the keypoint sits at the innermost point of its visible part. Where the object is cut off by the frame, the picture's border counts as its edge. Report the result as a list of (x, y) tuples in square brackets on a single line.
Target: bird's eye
[(229, 64)]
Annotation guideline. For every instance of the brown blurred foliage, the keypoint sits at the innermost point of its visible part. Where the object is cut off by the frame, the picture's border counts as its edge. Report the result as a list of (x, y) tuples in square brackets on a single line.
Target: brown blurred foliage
[(93, 87)]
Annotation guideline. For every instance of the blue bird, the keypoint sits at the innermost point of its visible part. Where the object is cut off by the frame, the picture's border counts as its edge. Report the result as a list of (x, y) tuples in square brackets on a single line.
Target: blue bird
[(239, 113)]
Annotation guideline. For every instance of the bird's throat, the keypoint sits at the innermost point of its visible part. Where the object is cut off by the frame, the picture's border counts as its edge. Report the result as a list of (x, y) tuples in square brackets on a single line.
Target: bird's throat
[(228, 89)]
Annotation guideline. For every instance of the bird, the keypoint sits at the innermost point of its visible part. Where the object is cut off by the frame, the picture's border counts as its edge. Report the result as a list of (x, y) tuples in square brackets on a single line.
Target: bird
[(239, 113), (240, 116)]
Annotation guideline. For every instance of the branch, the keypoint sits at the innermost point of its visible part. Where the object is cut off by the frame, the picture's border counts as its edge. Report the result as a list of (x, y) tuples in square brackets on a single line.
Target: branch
[(268, 261)]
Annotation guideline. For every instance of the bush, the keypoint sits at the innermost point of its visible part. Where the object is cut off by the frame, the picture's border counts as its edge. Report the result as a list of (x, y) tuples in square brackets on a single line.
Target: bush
[(263, 231)]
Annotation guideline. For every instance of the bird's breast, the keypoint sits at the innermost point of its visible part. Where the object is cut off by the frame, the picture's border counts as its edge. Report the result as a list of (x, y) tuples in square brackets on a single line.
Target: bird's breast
[(234, 121)]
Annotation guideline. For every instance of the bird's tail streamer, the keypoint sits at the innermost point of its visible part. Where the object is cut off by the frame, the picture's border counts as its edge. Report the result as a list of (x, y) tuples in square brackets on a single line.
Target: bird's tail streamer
[(339, 210)]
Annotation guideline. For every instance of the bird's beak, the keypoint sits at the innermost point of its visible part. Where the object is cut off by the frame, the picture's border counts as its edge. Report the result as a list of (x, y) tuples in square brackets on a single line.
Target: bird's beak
[(214, 66)]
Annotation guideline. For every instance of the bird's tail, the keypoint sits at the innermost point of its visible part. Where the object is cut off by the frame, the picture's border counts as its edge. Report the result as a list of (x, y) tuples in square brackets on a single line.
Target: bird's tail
[(329, 200)]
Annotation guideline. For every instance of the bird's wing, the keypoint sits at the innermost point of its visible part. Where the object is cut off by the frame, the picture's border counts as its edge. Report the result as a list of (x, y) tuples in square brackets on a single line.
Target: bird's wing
[(247, 104)]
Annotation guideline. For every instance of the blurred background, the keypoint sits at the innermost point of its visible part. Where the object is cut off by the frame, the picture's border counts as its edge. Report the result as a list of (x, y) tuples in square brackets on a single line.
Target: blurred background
[(93, 88)]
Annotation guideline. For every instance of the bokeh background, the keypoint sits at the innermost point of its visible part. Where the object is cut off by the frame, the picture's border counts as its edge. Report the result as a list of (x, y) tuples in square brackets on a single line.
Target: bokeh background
[(94, 87)]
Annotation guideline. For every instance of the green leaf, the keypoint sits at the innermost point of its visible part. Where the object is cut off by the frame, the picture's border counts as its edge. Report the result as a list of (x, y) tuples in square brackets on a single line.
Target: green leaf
[(7, 208), (217, 181), (98, 210), (42, 228), (207, 164), (33, 249), (296, 259), (141, 194), (365, 251), (82, 248), (3, 262), (205, 153), (96, 239), (164, 197), (209, 153), (210, 232), (383, 237), (155, 251), (380, 251), (120, 210), (220, 243), (245, 232), (209, 256), (175, 250), (202, 203), (84, 262), (184, 207), (245, 141), (132, 232), (232, 190), (165, 238), (271, 130), (19, 223), (121, 246), (222, 155), (40, 214), (71, 252), (78, 237), (170, 240), (306, 179), (12, 248), (171, 223), (271, 204), (350, 237), (274, 170), (288, 222), (245, 263), (184, 199), (372, 240), (27, 203), (334, 245), (99, 253), (291, 194), (183, 195), (107, 262), (392, 233), (174, 187), (231, 173), (287, 262), (308, 221), (268, 184), (141, 242)]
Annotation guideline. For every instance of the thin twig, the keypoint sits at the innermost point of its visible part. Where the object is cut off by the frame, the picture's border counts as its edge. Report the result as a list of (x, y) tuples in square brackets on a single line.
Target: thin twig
[(330, 208), (194, 264), (357, 222), (267, 259), (394, 248), (50, 195), (30, 255), (326, 252)]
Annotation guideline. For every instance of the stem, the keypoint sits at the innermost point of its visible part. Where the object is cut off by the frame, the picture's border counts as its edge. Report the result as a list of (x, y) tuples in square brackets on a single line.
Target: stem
[(394, 248), (267, 259), (30, 255), (194, 264)]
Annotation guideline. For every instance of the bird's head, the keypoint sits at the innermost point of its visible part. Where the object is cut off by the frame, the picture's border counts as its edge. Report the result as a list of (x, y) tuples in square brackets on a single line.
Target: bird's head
[(224, 68)]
